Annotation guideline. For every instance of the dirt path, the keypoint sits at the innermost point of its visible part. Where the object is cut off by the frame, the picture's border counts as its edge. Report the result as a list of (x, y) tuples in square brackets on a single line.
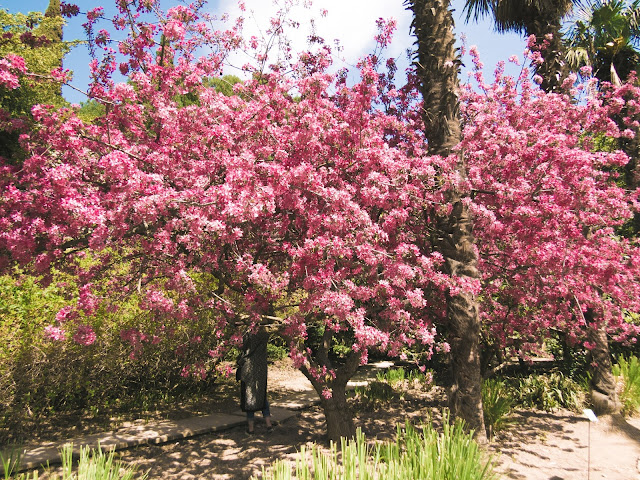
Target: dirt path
[(537, 446), (564, 445)]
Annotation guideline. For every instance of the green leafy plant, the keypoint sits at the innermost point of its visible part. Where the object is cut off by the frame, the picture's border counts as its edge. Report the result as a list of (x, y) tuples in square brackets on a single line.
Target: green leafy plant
[(627, 373), (93, 464), (397, 377), (41, 377), (426, 454), (10, 461), (497, 404), (393, 376), (376, 393), (547, 392)]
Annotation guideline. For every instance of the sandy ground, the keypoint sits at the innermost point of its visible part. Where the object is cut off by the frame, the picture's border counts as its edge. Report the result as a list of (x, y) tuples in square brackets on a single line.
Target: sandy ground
[(537, 446), (566, 446)]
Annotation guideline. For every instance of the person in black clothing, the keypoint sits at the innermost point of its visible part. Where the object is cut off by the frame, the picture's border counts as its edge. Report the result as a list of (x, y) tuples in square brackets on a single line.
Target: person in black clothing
[(252, 374)]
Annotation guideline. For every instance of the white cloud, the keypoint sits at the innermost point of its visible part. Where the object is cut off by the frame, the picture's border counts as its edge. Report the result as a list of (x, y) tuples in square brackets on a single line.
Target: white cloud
[(352, 22)]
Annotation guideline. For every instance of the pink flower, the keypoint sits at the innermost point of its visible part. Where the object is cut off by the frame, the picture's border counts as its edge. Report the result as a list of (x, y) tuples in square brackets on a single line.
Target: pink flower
[(54, 333), (326, 393), (428, 377), (85, 335), (65, 314), (174, 30), (95, 13)]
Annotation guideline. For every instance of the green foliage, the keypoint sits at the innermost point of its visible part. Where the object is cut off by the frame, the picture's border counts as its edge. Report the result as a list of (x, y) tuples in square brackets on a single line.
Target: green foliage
[(571, 360), (428, 454), (92, 465), (222, 85), (627, 373), (41, 378), (10, 461), (276, 349), (41, 55), (392, 383), (376, 393), (393, 376), (497, 404), (547, 392), (43, 51), (90, 110)]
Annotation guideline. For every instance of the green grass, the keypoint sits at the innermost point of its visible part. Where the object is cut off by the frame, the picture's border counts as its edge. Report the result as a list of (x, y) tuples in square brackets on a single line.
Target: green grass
[(627, 372), (92, 465), (426, 454), (497, 403)]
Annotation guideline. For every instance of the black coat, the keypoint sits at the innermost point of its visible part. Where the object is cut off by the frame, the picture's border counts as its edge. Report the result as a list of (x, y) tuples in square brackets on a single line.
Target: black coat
[(252, 371)]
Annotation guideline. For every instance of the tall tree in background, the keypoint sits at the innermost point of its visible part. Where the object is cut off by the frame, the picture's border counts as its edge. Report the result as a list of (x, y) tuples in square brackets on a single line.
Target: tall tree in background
[(437, 69), (605, 35), (38, 39), (542, 18), (54, 28)]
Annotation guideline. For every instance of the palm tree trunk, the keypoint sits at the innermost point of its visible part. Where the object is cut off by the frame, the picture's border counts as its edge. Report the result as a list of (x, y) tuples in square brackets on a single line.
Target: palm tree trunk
[(438, 67), (554, 70)]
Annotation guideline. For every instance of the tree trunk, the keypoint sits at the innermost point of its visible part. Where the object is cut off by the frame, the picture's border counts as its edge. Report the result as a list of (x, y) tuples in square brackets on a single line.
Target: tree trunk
[(603, 384), (438, 68), (337, 413), (554, 70)]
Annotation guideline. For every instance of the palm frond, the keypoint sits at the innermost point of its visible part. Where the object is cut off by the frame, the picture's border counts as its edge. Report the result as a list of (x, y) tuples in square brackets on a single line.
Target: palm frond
[(478, 9)]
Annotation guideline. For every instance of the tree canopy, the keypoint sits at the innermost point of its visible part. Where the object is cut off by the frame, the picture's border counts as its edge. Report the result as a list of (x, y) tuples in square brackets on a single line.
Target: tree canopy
[(317, 210)]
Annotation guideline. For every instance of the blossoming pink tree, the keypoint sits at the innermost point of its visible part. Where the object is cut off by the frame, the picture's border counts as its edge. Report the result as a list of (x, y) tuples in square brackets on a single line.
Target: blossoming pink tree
[(266, 203), (299, 199), (548, 210)]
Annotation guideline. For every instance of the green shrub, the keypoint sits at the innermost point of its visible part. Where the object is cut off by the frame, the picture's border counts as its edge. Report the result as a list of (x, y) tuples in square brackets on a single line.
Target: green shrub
[(497, 404), (426, 455), (392, 383), (393, 376), (41, 378), (376, 393), (276, 349), (627, 373), (547, 392), (399, 377)]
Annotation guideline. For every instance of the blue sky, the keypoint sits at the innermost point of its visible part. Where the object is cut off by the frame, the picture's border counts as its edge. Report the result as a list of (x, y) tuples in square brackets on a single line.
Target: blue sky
[(350, 21)]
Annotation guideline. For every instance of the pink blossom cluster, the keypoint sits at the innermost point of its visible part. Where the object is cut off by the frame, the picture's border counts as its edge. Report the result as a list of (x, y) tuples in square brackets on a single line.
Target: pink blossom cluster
[(10, 67), (546, 211), (321, 207), (84, 335), (54, 333), (197, 370)]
